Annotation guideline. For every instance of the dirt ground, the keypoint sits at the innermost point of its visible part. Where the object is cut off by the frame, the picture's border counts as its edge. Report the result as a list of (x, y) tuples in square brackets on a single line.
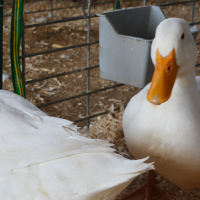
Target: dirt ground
[(60, 35), (66, 34), (71, 33)]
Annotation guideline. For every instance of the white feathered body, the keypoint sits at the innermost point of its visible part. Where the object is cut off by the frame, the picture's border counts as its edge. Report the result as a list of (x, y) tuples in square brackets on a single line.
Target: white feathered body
[(170, 132), (44, 158), (170, 137)]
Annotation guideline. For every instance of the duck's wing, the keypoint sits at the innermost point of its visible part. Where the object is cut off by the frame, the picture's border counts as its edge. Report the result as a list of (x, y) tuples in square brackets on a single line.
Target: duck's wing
[(43, 157), (15, 101), (83, 176), (27, 141), (28, 136)]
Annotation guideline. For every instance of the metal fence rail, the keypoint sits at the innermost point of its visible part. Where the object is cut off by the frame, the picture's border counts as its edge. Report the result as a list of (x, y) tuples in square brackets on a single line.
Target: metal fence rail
[(87, 68), (88, 17), (63, 8), (1, 41)]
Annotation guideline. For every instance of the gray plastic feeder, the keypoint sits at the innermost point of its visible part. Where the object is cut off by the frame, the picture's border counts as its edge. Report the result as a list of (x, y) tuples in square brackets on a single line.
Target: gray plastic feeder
[(125, 42)]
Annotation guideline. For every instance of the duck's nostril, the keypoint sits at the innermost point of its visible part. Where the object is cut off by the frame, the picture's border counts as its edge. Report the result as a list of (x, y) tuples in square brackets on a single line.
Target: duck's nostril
[(168, 67)]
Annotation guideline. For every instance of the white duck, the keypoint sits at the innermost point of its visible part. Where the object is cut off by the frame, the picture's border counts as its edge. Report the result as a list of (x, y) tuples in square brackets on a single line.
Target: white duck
[(44, 158), (163, 120)]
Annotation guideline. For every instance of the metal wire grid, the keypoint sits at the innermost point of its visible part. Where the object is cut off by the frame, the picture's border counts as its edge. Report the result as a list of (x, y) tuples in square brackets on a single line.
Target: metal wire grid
[(83, 5), (88, 67)]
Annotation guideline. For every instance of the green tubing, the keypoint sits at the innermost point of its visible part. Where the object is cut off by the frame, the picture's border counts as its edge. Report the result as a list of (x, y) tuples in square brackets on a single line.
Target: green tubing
[(117, 4), (15, 38), (1, 41)]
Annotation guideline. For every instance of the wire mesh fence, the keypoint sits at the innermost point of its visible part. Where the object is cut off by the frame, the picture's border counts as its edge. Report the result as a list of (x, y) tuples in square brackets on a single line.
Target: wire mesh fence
[(60, 45)]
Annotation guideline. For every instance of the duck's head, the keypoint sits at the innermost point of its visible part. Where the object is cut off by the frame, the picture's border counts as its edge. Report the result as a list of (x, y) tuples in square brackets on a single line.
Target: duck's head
[(173, 53)]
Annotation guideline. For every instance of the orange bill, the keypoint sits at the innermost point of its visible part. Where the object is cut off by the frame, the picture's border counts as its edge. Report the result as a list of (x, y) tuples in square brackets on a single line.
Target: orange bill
[(163, 79)]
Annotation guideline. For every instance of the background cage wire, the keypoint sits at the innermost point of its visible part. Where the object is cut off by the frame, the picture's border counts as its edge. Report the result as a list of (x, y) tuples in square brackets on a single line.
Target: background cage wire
[(82, 12)]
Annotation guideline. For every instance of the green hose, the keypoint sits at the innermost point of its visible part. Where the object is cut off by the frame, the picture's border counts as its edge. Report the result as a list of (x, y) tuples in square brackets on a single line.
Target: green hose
[(15, 38), (117, 4), (1, 41)]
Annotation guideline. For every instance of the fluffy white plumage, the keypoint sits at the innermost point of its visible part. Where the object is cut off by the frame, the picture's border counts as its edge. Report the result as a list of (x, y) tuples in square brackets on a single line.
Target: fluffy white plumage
[(44, 158), (170, 132)]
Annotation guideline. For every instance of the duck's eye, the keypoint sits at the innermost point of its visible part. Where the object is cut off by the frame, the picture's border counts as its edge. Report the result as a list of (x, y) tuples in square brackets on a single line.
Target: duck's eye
[(182, 36)]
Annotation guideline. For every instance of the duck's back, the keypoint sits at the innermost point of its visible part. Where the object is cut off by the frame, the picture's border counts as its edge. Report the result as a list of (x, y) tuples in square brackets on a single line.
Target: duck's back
[(45, 158)]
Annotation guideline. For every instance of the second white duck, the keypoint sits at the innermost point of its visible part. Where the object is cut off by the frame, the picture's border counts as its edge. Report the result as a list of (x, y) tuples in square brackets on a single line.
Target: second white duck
[(163, 120)]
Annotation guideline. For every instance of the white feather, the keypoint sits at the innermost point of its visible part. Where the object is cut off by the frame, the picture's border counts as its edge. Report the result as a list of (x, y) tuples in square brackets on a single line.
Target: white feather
[(45, 158), (170, 132)]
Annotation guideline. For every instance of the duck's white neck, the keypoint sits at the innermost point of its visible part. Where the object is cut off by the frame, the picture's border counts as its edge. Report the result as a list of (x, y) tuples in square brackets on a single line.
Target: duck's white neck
[(185, 88), (185, 80), (184, 91)]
